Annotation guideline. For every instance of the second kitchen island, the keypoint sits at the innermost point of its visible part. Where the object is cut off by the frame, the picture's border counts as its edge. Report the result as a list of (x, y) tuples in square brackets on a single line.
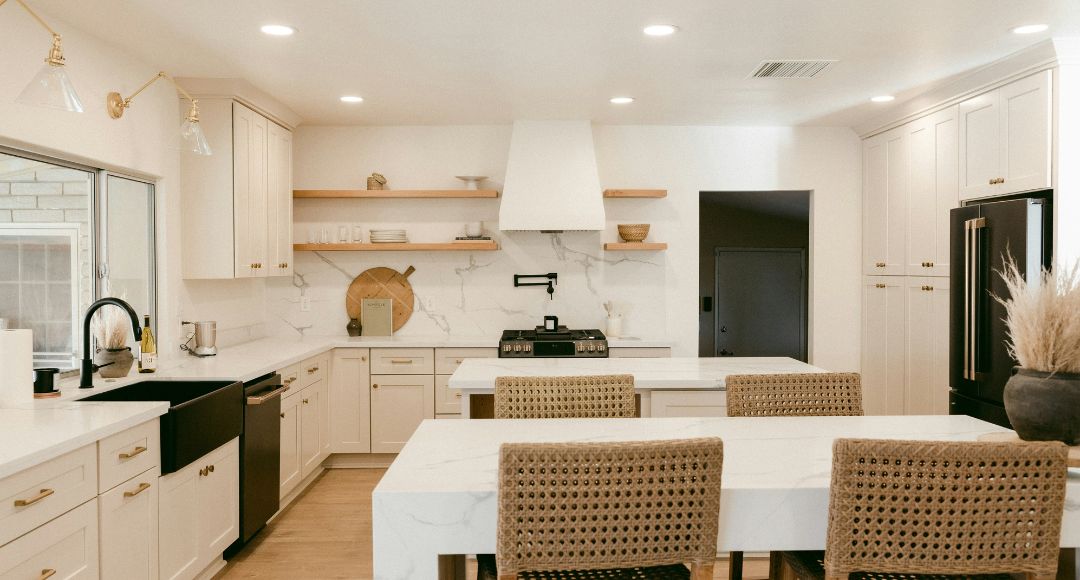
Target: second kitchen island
[(667, 387)]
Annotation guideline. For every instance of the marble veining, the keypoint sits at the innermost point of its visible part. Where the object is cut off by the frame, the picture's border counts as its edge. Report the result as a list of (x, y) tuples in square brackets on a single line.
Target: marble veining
[(478, 375), (472, 293), (438, 497)]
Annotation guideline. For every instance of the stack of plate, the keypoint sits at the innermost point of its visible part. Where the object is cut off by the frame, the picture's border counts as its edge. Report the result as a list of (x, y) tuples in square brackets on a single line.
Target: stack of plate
[(389, 237)]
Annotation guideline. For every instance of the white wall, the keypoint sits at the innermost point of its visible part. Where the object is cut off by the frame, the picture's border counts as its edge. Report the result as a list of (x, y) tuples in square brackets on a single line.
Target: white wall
[(659, 290)]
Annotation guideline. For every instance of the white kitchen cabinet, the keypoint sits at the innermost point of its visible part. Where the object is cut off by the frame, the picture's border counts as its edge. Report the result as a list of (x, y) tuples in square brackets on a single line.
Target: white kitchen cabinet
[(279, 200), (312, 407), (237, 209), (290, 444), (933, 183), (399, 403), (885, 173), (47, 490), (128, 526), (350, 413), (1006, 139), (883, 345), (447, 400), (639, 352), (402, 361), (927, 369), (199, 512), (66, 547), (688, 403)]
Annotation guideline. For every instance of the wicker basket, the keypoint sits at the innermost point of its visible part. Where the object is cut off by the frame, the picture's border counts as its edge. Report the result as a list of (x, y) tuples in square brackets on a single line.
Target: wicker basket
[(633, 232), (376, 181)]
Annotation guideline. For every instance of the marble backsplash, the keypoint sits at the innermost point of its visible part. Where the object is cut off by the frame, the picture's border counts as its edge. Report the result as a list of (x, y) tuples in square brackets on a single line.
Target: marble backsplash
[(472, 293)]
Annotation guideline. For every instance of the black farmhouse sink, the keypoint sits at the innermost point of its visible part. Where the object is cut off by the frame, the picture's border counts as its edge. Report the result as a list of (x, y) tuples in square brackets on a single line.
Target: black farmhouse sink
[(203, 415)]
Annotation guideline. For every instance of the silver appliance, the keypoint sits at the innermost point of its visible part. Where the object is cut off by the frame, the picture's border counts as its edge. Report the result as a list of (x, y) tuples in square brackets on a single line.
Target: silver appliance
[(205, 337)]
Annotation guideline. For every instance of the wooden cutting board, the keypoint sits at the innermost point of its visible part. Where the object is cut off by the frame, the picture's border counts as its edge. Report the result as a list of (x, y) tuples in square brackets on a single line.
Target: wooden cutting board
[(382, 283)]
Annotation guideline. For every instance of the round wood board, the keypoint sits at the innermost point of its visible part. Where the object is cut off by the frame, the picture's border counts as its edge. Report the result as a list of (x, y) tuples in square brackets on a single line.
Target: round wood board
[(382, 283), (1011, 436)]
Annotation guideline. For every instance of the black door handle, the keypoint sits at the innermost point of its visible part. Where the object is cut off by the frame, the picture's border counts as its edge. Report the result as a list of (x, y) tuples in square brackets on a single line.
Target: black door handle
[(706, 303)]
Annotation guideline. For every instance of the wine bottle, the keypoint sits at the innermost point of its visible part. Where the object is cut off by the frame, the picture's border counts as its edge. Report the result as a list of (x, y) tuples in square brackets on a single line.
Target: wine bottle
[(147, 348)]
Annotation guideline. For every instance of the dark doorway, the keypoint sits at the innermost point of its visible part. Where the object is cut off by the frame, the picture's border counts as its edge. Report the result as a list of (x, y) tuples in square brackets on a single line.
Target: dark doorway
[(754, 276)]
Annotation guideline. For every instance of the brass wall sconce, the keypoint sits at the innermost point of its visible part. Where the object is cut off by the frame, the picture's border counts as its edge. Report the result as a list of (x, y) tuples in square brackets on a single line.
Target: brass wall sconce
[(51, 86), (190, 130)]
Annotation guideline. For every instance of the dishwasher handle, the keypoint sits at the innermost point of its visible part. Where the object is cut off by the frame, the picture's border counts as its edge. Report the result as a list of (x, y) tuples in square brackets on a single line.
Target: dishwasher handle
[(260, 399)]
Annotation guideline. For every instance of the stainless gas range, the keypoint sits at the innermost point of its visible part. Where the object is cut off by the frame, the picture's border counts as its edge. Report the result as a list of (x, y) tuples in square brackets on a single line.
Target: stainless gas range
[(558, 342)]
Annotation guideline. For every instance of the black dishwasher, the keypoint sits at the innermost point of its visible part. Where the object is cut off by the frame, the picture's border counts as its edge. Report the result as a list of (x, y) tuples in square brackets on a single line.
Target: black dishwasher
[(260, 456)]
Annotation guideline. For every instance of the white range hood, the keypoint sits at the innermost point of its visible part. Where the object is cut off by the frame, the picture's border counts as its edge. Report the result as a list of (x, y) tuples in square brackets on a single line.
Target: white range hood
[(551, 179)]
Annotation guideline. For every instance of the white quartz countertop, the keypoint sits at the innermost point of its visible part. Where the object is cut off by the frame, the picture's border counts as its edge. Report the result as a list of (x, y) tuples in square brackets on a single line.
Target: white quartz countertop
[(39, 431), (478, 375)]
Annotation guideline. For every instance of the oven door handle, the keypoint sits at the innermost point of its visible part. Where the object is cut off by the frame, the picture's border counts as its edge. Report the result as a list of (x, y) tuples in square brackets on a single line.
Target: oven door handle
[(267, 397)]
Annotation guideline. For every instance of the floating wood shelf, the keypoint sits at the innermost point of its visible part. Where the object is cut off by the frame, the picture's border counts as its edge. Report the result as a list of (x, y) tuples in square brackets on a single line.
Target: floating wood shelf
[(394, 193), (484, 246), (635, 193), (635, 246)]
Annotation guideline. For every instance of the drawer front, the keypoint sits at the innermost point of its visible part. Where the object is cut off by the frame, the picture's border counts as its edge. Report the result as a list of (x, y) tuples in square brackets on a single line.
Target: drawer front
[(129, 528), (402, 361), (127, 454), (689, 404), (447, 400), (447, 360), (290, 374), (66, 547), (36, 495), (314, 369), (639, 352)]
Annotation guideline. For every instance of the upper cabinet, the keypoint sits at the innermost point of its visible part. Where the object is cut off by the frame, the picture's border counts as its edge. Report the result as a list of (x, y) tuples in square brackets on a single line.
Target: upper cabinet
[(1005, 139), (932, 188), (237, 203), (885, 161)]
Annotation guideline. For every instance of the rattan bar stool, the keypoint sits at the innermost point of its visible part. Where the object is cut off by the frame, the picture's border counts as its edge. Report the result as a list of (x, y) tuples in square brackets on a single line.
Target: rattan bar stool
[(789, 395), (622, 510), (564, 397), (940, 509)]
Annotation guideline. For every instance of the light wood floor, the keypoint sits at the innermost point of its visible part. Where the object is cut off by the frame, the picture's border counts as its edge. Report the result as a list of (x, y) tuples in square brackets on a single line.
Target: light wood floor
[(326, 533)]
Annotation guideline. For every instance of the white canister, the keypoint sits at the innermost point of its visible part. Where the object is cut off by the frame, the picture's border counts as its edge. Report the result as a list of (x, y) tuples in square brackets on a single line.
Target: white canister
[(614, 326), (474, 229)]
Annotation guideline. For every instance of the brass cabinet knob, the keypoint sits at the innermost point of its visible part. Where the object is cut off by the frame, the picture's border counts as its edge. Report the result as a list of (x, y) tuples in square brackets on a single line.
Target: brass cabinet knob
[(283, 415), (363, 359), (374, 386), (305, 401), (211, 468)]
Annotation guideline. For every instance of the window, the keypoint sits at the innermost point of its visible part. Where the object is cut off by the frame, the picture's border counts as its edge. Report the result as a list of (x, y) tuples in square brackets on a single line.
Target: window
[(68, 235)]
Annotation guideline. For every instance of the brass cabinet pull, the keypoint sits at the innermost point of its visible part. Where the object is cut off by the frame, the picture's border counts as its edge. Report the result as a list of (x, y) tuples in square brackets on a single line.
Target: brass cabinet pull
[(929, 288), (997, 181), (363, 359), (42, 494), (211, 468), (47, 573), (459, 361), (203, 472), (879, 265), (305, 401), (879, 285), (457, 395), (401, 361), (133, 453), (288, 381), (142, 487), (313, 370)]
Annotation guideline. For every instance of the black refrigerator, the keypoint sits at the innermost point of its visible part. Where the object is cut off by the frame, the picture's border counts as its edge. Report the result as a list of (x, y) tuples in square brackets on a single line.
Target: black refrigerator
[(982, 235)]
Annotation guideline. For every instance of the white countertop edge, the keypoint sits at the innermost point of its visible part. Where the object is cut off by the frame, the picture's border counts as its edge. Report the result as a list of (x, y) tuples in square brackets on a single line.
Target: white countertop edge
[(144, 411)]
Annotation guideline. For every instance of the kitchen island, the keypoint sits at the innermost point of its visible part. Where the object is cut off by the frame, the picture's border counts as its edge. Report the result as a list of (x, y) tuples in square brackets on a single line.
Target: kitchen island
[(667, 387)]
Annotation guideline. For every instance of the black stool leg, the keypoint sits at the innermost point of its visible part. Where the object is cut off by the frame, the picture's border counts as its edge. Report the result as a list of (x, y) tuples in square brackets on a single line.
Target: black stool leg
[(735, 565)]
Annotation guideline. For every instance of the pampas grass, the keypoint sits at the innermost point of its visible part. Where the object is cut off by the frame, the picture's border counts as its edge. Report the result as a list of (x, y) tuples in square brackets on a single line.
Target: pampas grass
[(1043, 318), (111, 327)]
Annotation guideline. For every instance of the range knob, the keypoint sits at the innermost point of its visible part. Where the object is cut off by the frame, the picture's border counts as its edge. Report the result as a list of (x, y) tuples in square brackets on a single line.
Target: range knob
[(592, 348), (580, 347), (506, 348), (517, 348), (601, 347), (528, 347)]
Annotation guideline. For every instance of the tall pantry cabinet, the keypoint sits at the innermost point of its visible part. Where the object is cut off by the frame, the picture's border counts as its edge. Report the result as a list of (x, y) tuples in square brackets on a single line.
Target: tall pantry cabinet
[(237, 203), (995, 143)]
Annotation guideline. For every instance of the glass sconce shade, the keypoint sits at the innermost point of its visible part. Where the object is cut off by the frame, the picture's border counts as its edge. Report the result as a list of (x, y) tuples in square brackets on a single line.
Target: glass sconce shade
[(51, 88)]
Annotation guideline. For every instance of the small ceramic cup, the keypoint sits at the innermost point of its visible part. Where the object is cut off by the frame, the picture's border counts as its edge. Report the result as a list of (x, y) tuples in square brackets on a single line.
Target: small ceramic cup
[(474, 229)]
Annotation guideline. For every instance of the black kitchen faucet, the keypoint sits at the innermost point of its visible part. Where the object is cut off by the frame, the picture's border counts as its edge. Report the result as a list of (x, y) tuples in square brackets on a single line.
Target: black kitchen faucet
[(551, 279)]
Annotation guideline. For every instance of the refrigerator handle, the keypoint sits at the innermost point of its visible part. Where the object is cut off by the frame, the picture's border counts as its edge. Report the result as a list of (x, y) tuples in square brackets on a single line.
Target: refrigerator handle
[(972, 255)]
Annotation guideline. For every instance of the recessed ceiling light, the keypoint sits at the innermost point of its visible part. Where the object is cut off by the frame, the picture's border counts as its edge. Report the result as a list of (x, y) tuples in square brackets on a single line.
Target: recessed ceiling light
[(1030, 28), (622, 100), (660, 29), (882, 98), (278, 30), (352, 99)]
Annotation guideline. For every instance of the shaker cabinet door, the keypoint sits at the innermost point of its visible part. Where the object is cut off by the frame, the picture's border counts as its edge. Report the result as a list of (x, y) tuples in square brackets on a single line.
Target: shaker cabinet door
[(883, 345), (884, 202), (933, 190)]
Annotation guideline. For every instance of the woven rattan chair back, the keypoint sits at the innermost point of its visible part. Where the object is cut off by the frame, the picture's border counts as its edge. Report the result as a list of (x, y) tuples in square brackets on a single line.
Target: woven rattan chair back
[(599, 396), (794, 395), (945, 507), (596, 506)]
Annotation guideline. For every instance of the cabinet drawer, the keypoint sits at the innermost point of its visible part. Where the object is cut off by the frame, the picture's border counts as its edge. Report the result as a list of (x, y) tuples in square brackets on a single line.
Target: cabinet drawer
[(38, 494), (314, 369), (447, 360), (447, 400), (129, 528), (639, 352), (689, 404), (290, 374), (127, 454), (402, 361), (66, 547)]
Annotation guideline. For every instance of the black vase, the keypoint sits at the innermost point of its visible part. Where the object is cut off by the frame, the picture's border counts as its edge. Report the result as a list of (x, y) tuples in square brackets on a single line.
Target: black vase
[(1044, 407), (353, 327)]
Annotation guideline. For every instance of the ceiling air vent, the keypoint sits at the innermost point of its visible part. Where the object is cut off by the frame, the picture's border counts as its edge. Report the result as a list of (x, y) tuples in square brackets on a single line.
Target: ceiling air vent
[(791, 69)]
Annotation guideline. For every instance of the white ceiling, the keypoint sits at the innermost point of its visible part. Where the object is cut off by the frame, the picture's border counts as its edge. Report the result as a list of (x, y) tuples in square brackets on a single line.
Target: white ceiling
[(493, 61)]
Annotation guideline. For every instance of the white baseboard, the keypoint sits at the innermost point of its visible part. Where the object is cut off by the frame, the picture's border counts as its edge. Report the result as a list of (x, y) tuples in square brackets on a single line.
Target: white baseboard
[(212, 570), (359, 460)]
